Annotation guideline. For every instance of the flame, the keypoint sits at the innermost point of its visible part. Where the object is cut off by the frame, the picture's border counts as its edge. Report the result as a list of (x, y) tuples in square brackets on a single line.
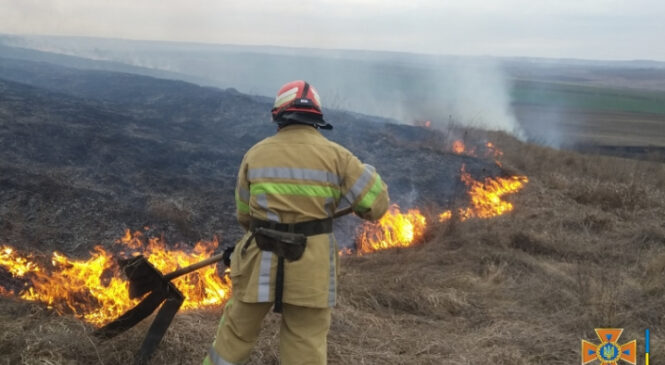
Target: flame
[(422, 123), (492, 151), (397, 229), (15, 264), (394, 229), (94, 289), (458, 147), (346, 251), (486, 196), (203, 288), (445, 215), (489, 150)]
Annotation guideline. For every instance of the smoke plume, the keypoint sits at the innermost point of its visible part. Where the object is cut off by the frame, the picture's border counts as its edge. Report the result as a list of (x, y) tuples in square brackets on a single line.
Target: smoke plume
[(470, 91)]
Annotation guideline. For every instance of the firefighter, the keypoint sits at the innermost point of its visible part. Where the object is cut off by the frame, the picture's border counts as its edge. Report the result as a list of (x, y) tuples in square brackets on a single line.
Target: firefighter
[(292, 183)]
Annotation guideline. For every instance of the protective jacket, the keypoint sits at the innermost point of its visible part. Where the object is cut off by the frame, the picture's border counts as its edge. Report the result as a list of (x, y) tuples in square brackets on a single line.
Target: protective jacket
[(296, 176)]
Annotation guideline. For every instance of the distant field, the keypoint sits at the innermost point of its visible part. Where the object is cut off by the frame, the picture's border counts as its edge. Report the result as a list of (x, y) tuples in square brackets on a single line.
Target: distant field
[(587, 98), (569, 114)]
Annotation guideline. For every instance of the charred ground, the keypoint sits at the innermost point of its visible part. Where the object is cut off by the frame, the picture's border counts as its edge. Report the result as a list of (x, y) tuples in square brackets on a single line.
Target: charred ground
[(85, 154)]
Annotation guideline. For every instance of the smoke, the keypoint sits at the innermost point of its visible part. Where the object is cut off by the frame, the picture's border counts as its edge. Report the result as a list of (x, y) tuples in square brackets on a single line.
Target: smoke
[(471, 91), (546, 126), (480, 96)]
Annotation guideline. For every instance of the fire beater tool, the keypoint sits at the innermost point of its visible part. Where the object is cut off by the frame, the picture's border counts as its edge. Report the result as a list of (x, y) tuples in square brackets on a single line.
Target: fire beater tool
[(145, 278)]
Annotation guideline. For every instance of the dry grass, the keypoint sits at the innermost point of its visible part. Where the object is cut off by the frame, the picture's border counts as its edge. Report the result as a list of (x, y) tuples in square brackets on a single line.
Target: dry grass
[(585, 248)]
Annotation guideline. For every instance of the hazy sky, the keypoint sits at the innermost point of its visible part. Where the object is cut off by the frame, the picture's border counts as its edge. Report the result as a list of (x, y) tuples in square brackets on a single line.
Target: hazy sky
[(596, 29)]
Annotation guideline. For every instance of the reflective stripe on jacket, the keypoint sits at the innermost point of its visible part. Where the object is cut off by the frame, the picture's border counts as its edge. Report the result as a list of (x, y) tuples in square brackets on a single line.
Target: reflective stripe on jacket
[(294, 176)]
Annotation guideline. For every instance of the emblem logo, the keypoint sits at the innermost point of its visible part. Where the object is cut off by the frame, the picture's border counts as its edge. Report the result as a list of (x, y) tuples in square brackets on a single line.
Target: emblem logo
[(609, 352)]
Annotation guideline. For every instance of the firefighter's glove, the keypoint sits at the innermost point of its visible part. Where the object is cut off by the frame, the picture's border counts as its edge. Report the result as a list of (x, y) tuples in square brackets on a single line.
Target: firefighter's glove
[(226, 258)]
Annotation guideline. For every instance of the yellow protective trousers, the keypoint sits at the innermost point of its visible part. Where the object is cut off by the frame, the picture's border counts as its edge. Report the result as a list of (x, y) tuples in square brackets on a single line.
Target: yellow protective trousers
[(302, 338)]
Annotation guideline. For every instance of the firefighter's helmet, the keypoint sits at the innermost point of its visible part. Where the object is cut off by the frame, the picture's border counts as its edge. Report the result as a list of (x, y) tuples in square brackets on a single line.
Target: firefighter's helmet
[(298, 102)]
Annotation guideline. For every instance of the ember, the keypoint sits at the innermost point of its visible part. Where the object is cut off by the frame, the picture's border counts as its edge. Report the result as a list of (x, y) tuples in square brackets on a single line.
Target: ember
[(459, 147), (488, 150), (492, 151), (423, 123)]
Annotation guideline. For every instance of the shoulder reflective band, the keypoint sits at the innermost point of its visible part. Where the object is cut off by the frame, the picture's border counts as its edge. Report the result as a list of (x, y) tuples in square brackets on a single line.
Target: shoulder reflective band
[(360, 184), (294, 189)]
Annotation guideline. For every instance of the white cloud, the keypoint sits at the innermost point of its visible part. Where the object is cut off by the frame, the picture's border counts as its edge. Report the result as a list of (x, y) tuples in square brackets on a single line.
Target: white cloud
[(564, 28)]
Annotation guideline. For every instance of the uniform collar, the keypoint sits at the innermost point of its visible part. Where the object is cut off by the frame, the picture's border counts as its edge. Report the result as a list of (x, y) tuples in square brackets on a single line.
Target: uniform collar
[(298, 127)]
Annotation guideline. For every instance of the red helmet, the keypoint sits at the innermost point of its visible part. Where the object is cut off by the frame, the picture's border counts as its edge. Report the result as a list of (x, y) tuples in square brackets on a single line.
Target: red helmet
[(298, 101)]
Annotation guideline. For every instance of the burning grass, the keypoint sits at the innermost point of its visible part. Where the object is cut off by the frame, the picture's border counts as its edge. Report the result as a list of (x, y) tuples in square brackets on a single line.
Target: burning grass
[(94, 290), (396, 229)]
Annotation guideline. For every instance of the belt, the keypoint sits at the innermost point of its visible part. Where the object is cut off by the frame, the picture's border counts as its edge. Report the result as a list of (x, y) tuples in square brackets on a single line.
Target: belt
[(308, 228)]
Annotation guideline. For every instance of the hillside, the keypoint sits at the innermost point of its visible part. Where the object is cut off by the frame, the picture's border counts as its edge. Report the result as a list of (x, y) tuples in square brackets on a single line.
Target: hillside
[(86, 154)]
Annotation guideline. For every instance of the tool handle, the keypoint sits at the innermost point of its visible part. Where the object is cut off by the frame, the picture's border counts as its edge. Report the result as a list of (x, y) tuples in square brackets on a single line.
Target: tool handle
[(194, 267), (343, 212)]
